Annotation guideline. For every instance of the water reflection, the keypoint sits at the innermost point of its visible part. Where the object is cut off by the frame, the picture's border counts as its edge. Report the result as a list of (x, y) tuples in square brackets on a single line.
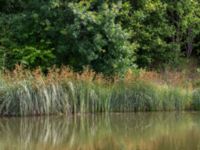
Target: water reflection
[(145, 131)]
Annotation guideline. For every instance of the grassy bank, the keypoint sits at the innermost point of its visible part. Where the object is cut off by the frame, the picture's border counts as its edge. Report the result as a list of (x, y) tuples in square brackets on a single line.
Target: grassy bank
[(61, 91)]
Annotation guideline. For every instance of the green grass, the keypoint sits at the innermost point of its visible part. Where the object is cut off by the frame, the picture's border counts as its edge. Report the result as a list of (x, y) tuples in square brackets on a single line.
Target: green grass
[(141, 96), (27, 98), (196, 100), (38, 96)]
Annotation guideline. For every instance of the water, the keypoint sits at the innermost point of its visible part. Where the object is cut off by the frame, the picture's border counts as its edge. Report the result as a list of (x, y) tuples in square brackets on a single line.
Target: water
[(129, 131)]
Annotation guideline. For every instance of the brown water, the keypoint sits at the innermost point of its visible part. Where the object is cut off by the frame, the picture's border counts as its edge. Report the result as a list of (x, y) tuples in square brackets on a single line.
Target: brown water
[(140, 131)]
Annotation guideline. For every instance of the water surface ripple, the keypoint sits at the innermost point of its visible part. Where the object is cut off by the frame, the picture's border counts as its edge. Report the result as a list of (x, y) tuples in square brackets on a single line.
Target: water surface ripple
[(123, 131)]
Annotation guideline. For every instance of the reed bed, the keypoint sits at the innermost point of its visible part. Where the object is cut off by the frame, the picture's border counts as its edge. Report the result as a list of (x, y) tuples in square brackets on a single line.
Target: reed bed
[(61, 91)]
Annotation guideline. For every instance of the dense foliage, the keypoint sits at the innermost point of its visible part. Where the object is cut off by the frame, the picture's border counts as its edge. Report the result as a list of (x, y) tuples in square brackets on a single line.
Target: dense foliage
[(107, 36)]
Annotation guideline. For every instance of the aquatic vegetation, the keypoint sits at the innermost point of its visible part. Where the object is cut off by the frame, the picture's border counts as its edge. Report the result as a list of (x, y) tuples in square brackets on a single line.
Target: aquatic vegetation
[(137, 96), (141, 96), (61, 91), (196, 100)]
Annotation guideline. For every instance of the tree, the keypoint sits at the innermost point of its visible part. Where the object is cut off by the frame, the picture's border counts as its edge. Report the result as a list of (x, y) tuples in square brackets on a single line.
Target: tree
[(79, 33), (98, 40), (185, 17), (153, 33)]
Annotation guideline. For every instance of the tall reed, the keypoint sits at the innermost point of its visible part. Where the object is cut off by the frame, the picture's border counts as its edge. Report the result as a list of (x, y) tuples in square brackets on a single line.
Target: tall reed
[(62, 91)]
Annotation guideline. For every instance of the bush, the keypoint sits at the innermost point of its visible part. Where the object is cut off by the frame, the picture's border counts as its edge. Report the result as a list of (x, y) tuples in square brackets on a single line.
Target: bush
[(31, 57)]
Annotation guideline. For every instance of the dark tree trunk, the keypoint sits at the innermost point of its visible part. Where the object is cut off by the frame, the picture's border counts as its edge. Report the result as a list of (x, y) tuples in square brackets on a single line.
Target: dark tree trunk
[(189, 42)]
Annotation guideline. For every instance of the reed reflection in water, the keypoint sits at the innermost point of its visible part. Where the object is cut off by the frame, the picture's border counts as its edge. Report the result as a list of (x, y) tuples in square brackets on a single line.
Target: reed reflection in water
[(131, 131)]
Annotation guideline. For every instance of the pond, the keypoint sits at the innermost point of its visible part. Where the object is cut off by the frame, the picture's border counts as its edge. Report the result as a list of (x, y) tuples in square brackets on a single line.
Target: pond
[(123, 131)]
